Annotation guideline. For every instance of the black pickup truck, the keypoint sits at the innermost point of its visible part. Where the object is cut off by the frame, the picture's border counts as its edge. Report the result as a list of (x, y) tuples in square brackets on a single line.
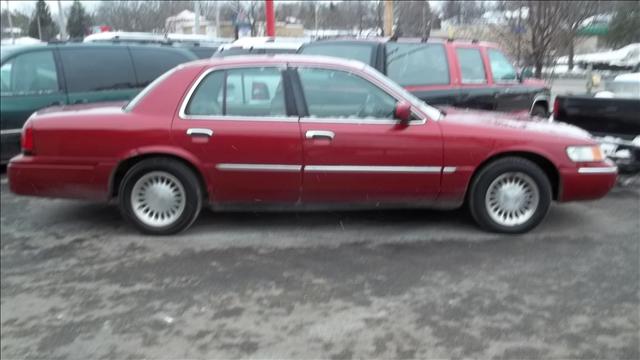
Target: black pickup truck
[(611, 116)]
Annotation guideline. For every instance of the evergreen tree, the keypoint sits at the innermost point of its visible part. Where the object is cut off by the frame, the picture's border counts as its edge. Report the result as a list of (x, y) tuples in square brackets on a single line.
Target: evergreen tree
[(625, 25), (48, 28), (78, 22)]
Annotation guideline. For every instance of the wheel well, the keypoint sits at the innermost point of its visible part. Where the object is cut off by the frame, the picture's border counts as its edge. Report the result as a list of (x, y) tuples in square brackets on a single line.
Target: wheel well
[(544, 163), (545, 103), (127, 164)]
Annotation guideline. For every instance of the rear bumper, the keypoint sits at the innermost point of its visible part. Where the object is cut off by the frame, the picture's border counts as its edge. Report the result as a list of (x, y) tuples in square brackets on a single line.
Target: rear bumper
[(587, 182), (28, 175)]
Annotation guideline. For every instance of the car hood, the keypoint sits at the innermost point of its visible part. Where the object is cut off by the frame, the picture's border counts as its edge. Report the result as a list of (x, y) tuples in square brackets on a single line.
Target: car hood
[(83, 109), (522, 122)]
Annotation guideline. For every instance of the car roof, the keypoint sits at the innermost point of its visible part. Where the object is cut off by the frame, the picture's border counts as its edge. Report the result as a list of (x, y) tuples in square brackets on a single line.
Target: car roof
[(13, 49), (276, 59), (382, 40)]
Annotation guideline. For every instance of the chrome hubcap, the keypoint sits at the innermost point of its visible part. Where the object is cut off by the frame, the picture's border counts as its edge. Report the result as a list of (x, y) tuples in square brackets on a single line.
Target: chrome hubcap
[(158, 199), (512, 199)]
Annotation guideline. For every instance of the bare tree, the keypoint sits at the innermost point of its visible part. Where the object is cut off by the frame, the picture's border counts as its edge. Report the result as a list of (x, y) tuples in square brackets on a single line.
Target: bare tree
[(544, 20), (414, 18), (576, 12)]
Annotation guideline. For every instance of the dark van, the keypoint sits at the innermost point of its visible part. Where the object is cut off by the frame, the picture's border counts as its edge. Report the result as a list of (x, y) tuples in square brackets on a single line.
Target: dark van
[(37, 76)]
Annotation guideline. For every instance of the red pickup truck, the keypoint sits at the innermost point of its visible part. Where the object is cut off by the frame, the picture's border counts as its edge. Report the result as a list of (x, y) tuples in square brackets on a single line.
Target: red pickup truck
[(467, 74)]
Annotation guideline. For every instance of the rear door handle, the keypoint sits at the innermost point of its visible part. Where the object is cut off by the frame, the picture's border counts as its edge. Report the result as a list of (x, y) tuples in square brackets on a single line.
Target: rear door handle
[(319, 134), (199, 131)]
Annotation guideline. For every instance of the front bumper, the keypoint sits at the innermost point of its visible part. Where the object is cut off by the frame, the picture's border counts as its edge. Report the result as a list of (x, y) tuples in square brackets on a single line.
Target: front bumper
[(587, 182)]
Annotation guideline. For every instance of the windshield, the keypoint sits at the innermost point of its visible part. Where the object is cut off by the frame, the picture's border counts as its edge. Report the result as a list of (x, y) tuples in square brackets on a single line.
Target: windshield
[(132, 104), (360, 52)]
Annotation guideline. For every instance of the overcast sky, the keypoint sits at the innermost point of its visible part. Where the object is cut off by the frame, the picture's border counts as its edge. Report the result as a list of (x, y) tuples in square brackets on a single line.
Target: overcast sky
[(27, 7)]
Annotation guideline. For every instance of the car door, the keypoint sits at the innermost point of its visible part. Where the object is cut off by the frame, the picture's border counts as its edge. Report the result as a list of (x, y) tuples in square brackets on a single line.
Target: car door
[(236, 121), (95, 74), (511, 95), (475, 91), (354, 150), (30, 81)]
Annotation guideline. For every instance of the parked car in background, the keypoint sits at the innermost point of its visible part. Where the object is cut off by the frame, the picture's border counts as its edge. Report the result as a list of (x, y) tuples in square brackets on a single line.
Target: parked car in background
[(466, 74), (612, 116), (301, 131), (260, 45), (201, 45), (37, 76)]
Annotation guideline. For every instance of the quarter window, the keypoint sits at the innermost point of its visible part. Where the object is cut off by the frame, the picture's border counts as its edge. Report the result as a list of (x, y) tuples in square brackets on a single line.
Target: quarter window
[(471, 66), (339, 94), (100, 69), (240, 92), (29, 74), (501, 67), (417, 64)]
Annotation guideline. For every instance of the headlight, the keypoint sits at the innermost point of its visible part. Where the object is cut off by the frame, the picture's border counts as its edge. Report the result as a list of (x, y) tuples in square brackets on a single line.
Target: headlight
[(585, 153)]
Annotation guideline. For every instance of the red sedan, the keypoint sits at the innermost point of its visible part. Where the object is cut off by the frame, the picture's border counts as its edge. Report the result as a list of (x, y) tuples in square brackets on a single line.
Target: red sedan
[(300, 131)]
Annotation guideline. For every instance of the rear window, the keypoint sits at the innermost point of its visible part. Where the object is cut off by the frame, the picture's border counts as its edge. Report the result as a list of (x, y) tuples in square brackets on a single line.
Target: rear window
[(417, 64), (100, 69), (471, 66), (360, 52), (151, 63)]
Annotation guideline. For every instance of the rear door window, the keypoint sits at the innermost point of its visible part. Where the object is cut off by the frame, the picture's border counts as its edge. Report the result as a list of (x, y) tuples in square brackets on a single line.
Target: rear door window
[(151, 63), (240, 92), (99, 69), (360, 52), (471, 66), (417, 64), (32, 73)]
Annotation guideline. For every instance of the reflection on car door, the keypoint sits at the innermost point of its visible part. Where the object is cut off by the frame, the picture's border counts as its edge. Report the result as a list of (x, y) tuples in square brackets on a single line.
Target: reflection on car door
[(236, 122), (353, 148)]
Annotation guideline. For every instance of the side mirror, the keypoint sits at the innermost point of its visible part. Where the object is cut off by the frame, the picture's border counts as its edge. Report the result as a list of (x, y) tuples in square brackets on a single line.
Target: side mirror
[(402, 112), (525, 73)]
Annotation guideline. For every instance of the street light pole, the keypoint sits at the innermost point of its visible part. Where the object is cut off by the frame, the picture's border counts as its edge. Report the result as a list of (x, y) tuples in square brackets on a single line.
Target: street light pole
[(63, 34), (13, 36)]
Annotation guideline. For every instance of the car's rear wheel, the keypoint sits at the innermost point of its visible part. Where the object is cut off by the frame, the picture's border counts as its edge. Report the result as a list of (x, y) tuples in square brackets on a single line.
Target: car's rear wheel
[(510, 195), (160, 196)]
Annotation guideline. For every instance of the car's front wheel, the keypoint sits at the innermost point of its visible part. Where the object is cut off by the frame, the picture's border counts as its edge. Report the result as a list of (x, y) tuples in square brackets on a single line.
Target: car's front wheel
[(510, 195), (160, 196)]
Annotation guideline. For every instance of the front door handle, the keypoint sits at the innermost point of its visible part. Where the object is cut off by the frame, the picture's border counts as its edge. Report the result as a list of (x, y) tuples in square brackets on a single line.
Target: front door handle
[(199, 131), (319, 134)]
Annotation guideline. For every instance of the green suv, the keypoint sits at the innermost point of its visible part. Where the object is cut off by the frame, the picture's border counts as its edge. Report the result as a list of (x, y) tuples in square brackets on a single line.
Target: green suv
[(37, 76)]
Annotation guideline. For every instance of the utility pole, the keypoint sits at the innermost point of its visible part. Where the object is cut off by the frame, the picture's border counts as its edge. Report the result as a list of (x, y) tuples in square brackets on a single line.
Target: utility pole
[(196, 25), (388, 17), (13, 36), (63, 34)]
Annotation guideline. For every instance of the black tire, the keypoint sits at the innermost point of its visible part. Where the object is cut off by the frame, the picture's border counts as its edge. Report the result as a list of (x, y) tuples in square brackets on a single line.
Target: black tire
[(539, 110), (486, 176), (186, 177)]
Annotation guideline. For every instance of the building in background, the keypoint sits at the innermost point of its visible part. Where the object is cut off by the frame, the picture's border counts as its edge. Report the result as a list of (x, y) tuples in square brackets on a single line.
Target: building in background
[(185, 22)]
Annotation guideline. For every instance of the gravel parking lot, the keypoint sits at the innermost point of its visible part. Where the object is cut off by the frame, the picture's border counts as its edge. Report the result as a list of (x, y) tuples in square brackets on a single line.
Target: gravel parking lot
[(79, 283)]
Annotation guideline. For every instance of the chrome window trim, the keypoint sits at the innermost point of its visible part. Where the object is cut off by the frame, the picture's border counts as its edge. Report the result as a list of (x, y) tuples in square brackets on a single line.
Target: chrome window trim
[(358, 121), (10, 131), (598, 170), (183, 106), (257, 167), (367, 168)]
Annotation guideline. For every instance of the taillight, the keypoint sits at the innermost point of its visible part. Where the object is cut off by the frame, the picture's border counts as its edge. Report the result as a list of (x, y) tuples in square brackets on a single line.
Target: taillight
[(26, 139), (556, 107)]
